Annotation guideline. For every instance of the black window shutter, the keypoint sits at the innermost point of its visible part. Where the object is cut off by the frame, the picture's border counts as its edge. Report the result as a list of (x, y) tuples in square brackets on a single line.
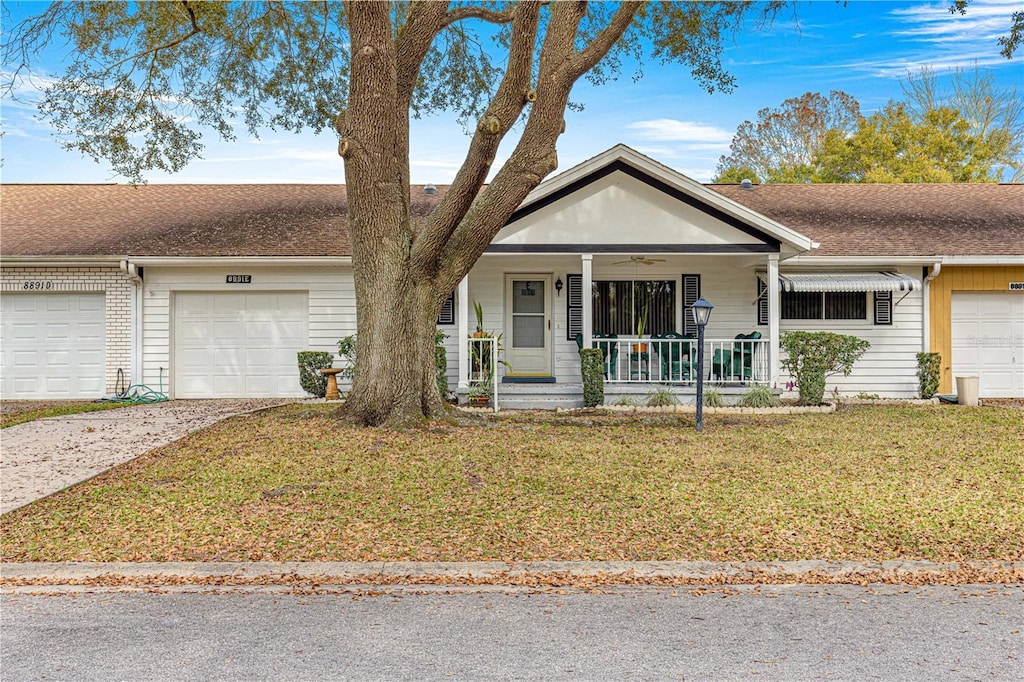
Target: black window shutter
[(447, 315), (574, 306), (691, 292), (883, 307), (762, 302)]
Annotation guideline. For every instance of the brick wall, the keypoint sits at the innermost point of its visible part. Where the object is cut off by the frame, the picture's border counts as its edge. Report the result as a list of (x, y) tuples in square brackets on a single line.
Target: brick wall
[(118, 296)]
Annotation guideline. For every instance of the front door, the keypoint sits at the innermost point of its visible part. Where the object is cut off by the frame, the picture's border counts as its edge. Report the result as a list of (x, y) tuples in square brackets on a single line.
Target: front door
[(528, 319)]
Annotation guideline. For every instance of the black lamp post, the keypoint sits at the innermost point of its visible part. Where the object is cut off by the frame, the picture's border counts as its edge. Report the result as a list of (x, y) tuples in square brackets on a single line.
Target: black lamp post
[(701, 313)]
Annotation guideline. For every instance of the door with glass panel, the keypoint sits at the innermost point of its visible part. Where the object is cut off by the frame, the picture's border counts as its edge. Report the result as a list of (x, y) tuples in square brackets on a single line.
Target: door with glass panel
[(528, 321)]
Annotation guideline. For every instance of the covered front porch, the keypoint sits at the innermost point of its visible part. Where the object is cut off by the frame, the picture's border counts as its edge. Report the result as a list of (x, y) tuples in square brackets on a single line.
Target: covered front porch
[(638, 313)]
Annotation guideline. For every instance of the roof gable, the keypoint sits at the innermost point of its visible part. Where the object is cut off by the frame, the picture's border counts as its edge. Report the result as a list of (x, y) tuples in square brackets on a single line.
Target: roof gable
[(622, 200), (615, 210)]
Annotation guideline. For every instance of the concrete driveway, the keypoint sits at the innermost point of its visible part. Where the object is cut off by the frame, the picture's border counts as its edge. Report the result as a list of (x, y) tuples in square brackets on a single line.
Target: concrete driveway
[(44, 456)]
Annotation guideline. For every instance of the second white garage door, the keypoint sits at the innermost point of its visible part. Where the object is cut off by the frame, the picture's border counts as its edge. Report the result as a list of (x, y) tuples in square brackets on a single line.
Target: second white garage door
[(239, 345), (988, 341)]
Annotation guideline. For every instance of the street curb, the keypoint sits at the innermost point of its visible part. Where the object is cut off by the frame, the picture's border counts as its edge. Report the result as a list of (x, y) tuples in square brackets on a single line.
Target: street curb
[(514, 573)]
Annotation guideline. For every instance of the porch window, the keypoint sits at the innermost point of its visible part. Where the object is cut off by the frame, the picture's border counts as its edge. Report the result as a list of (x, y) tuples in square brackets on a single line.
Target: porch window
[(824, 305), (620, 305)]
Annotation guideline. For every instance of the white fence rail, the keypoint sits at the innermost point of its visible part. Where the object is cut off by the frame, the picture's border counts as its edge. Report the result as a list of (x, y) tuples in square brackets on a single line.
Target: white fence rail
[(483, 367), (674, 361)]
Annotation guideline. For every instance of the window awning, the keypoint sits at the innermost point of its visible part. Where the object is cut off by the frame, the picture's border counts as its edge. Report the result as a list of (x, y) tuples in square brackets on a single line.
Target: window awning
[(848, 281)]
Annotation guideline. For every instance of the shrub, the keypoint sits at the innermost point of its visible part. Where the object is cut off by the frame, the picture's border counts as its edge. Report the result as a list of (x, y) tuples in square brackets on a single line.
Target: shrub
[(712, 398), (347, 350), (759, 395), (310, 364), (661, 397), (592, 369), (815, 355), (929, 367)]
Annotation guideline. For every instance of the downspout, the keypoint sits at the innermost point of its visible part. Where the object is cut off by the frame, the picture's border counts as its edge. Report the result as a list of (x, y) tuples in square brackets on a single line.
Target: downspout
[(926, 303), (132, 271)]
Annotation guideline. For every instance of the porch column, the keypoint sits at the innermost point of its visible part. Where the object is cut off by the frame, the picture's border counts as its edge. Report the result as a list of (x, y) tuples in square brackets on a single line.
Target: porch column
[(463, 334), (773, 319), (588, 304)]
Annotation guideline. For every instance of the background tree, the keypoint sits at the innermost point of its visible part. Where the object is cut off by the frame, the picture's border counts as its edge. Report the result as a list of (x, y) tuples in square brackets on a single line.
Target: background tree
[(894, 146), (144, 78), (993, 113), (782, 145)]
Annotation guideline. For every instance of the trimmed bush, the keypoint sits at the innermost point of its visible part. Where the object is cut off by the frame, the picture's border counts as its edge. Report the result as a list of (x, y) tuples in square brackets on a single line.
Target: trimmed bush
[(310, 364), (929, 367), (592, 368), (815, 355)]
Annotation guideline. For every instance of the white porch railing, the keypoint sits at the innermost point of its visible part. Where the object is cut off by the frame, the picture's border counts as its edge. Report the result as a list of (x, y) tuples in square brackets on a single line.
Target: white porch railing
[(674, 361), (483, 366)]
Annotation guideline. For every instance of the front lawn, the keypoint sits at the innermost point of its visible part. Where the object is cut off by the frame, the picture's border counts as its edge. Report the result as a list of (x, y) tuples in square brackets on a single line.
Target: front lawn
[(865, 483)]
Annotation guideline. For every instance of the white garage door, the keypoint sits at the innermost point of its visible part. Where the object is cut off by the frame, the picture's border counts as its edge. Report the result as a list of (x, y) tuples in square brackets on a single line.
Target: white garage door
[(988, 341), (239, 345), (52, 346)]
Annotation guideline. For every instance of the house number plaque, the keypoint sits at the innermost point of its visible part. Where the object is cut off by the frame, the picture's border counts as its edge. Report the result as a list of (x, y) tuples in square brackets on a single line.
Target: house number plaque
[(239, 279), (1016, 286)]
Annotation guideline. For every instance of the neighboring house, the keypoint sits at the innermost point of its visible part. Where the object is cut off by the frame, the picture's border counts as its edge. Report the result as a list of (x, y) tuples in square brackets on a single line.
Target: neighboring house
[(209, 291)]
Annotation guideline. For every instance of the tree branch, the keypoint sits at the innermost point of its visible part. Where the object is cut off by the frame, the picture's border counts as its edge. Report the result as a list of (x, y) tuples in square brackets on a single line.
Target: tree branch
[(508, 103), (587, 58), (154, 50), (474, 12)]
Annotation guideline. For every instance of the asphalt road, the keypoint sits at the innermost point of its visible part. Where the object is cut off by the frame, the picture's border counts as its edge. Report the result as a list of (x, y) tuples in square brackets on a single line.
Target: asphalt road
[(781, 633)]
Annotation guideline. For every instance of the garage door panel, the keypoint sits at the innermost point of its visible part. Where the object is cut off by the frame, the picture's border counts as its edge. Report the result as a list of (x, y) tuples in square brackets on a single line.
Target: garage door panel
[(987, 333), (243, 338), (54, 345)]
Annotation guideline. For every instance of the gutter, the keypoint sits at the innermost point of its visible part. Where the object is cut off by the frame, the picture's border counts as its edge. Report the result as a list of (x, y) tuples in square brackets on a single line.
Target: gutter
[(132, 270), (926, 304), (252, 261)]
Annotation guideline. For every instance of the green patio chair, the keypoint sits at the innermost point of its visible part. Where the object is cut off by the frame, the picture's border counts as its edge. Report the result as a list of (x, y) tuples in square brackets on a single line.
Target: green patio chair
[(743, 355), (674, 356)]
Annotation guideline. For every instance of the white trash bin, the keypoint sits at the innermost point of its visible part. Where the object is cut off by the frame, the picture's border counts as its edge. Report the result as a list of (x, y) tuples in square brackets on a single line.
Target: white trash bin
[(967, 391)]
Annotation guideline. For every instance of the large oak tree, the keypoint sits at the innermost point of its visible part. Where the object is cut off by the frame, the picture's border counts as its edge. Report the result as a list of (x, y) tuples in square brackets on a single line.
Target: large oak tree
[(143, 79)]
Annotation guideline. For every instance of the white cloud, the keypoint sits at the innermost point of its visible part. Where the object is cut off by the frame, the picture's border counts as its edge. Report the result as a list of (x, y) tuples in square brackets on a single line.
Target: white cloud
[(672, 130)]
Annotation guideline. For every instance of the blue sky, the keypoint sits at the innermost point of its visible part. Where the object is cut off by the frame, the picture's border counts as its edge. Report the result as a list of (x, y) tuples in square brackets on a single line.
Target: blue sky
[(863, 48)]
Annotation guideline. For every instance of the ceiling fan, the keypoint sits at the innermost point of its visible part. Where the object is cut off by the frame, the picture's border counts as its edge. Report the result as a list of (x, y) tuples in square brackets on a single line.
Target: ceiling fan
[(640, 260)]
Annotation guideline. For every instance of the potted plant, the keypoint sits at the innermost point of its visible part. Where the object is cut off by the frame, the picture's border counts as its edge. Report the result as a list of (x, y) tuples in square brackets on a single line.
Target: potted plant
[(641, 325), (479, 395), (481, 363)]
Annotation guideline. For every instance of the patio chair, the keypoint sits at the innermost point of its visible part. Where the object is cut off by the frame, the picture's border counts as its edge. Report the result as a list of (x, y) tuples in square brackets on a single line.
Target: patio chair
[(737, 363), (743, 355), (674, 356), (609, 353)]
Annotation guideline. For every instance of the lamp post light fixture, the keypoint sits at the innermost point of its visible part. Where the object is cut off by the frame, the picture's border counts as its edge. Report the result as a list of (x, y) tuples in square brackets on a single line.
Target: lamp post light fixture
[(701, 313)]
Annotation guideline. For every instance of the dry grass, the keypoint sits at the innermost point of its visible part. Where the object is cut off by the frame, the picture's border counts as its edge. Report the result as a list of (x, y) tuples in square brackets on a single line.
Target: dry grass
[(866, 483), (21, 411)]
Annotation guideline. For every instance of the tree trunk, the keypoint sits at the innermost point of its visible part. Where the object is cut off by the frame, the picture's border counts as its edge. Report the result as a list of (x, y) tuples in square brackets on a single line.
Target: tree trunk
[(395, 382)]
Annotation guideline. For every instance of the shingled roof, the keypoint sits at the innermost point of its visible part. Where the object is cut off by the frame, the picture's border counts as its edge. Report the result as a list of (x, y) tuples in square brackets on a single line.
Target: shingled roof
[(180, 220), (312, 220), (895, 220)]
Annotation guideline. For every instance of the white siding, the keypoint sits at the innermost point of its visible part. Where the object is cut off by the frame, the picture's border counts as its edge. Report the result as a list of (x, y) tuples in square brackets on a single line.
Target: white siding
[(889, 367), (332, 308)]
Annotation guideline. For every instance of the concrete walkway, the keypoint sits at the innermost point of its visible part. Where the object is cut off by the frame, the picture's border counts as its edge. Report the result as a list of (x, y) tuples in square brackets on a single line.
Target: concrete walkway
[(44, 456)]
